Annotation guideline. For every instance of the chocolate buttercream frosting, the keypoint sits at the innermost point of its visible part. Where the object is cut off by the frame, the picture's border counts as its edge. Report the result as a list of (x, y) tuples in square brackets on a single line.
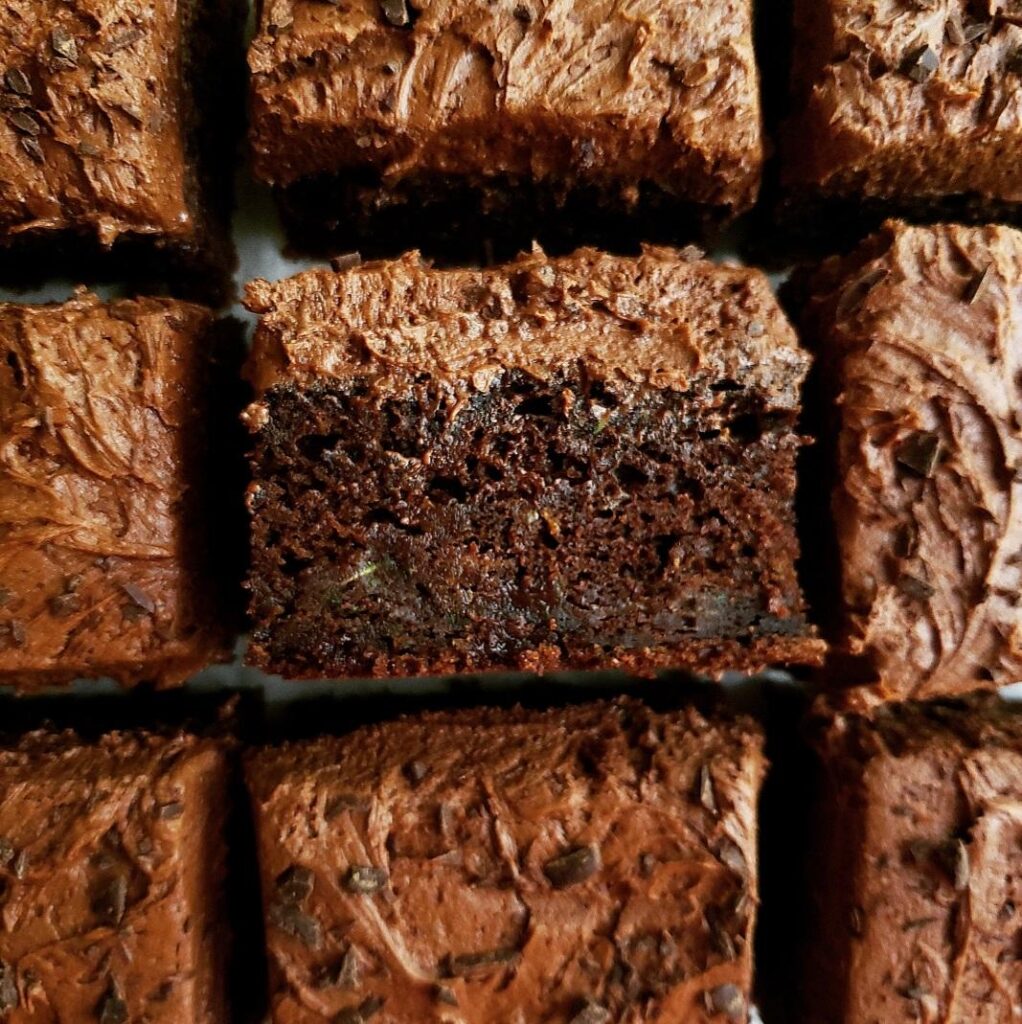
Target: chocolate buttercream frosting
[(906, 99), (93, 119), (592, 864), (918, 888), (111, 863), (603, 91), (920, 334), (666, 318), (101, 429)]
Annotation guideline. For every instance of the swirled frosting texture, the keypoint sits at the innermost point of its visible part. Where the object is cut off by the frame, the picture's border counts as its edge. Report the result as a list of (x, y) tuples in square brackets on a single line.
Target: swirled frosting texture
[(101, 418), (617, 91), (921, 890), (111, 862), (666, 318), (92, 118), (903, 99), (922, 331), (493, 866)]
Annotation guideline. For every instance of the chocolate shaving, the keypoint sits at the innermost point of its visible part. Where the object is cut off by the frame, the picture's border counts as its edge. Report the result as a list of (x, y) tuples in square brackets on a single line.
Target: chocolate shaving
[(919, 452), (24, 122), (112, 1009), (976, 284), (727, 999), (396, 12), (591, 1012), (572, 867), (914, 587), (295, 884), (110, 898), (346, 261), (445, 995), (17, 81), (34, 150), (364, 879), (471, 964), (288, 918), (8, 988), (920, 65), (64, 45), (705, 792), (361, 1013), (140, 597)]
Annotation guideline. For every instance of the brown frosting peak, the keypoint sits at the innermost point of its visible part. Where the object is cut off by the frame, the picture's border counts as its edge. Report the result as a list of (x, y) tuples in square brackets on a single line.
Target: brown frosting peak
[(488, 866), (922, 328), (667, 319), (563, 90), (111, 860), (100, 411), (90, 126)]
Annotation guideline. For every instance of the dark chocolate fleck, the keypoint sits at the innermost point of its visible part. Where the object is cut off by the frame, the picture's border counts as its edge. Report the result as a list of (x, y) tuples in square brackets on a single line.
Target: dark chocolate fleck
[(523, 14), (572, 867), (591, 1012), (856, 922), (953, 857), (706, 794), (110, 898), (140, 597), (350, 971), (123, 40), (1013, 62), (346, 261), (112, 1009), (364, 879), (914, 587), (6, 853), (34, 150), (906, 540), (445, 995), (416, 771), (855, 294), (727, 999), (172, 810), (920, 65), (288, 918), (646, 864), (65, 604), (919, 452), (64, 45), (295, 884), (24, 122), (17, 81), (977, 283), (396, 12), (361, 1013), (731, 856), (8, 988), (343, 802), (470, 964)]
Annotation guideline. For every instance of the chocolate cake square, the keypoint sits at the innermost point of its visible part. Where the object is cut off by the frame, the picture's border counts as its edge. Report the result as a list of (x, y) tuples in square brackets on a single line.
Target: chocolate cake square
[(116, 150), (557, 463), (583, 865), (106, 502), (911, 107), (493, 117), (111, 866), (918, 890), (920, 347)]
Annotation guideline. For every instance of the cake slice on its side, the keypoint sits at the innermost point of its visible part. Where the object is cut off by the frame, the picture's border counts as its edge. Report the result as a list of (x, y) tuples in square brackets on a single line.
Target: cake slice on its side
[(112, 863), (585, 865), (558, 463), (920, 341)]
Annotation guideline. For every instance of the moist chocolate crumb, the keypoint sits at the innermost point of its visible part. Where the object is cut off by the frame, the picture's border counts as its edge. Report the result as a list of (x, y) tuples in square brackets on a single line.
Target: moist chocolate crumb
[(364, 879), (572, 867)]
